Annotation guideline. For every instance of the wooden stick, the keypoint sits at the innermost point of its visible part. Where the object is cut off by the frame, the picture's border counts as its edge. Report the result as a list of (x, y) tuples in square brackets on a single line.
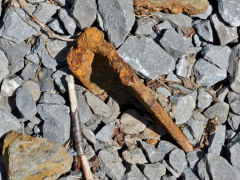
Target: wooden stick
[(78, 137)]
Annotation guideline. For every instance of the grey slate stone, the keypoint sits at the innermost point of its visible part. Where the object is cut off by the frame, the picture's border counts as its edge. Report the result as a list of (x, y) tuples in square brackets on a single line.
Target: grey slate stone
[(205, 31), (105, 134), (67, 21), (146, 57), (33, 57), (114, 106), (229, 135), (164, 91), (33, 88), (14, 27), (56, 126), (9, 85), (218, 55), (51, 98), (207, 13), (174, 44), (168, 177), (229, 10), (25, 103), (14, 53), (84, 12), (8, 122), (56, 26), (223, 93), (46, 80), (226, 34), (3, 66), (204, 99), (188, 174), (197, 41), (182, 67), (143, 27), (216, 168), (118, 18), (194, 157), (89, 152), (88, 134), (134, 174), (177, 159), (184, 105), (153, 154), (208, 74), (111, 164), (234, 150), (36, 1), (28, 73), (134, 156), (60, 79), (165, 146), (219, 110), (97, 105), (4, 103), (234, 102), (234, 69), (234, 121), (93, 122), (217, 140), (154, 171)]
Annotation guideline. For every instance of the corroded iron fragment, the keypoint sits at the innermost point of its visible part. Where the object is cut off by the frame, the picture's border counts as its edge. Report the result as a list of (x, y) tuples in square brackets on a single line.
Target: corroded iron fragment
[(96, 63), (171, 6)]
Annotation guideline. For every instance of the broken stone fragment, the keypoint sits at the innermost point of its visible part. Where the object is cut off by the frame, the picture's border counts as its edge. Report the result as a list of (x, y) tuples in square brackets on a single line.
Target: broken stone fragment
[(27, 157), (173, 6)]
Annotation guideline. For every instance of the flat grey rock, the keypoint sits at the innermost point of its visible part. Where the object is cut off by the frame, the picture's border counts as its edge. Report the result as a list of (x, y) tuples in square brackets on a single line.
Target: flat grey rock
[(33, 57), (115, 108), (217, 140), (3, 66), (225, 34), (188, 174), (222, 94), (234, 69), (219, 110), (51, 98), (111, 164), (46, 80), (164, 91), (207, 13), (229, 135), (97, 105), (28, 73), (177, 159), (144, 27), (205, 31), (164, 25), (229, 10), (8, 122), (234, 150), (165, 146), (118, 18), (216, 168), (36, 1), (9, 85), (182, 67), (56, 126), (105, 134), (56, 26), (14, 27), (208, 74), (146, 57), (218, 55), (33, 88), (88, 134), (234, 121), (168, 177), (134, 174), (90, 153), (134, 156), (174, 44), (153, 154), (84, 12), (60, 79), (196, 40), (184, 105), (25, 103), (154, 171), (194, 157), (67, 21), (4, 103), (234, 102), (204, 99)]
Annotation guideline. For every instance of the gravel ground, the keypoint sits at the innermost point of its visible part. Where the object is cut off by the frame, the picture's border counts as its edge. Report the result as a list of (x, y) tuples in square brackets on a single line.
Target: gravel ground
[(189, 62)]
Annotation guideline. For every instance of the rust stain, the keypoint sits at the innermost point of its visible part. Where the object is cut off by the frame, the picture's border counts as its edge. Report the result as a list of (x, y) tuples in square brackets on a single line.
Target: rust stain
[(96, 63)]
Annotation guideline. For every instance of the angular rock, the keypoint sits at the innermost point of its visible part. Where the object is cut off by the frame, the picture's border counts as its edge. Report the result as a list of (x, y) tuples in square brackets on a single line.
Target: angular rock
[(111, 164), (119, 24), (114, 106), (164, 91), (219, 110), (225, 34), (208, 74), (14, 27), (223, 93), (29, 157), (56, 126), (165, 146), (89, 152), (3, 66), (33, 57), (56, 26), (51, 98), (33, 88), (182, 67), (194, 157), (218, 55), (146, 57), (25, 103), (206, 14), (197, 41), (4, 103), (174, 44), (132, 122), (144, 27), (97, 105), (234, 150), (94, 122), (105, 134), (9, 85), (134, 174), (216, 168), (234, 121), (229, 10), (234, 69), (154, 171), (84, 12), (29, 71), (217, 140), (234, 102), (60, 79), (8, 122), (164, 25), (153, 154), (205, 31), (229, 135), (188, 174), (36, 1), (67, 21), (168, 177), (177, 159), (134, 156), (88, 134), (204, 99), (184, 105)]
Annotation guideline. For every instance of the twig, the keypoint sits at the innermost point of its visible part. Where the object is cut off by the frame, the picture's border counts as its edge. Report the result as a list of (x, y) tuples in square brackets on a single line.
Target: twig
[(213, 95), (51, 34), (78, 137)]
